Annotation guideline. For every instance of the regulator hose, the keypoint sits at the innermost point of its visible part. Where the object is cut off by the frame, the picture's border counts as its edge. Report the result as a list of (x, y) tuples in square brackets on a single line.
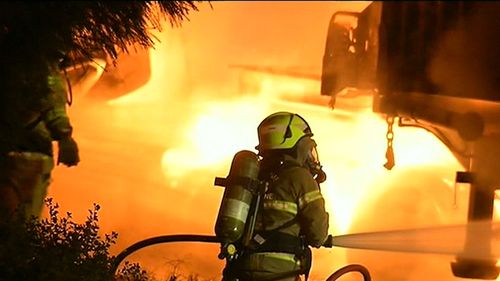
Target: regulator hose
[(158, 240), (350, 268)]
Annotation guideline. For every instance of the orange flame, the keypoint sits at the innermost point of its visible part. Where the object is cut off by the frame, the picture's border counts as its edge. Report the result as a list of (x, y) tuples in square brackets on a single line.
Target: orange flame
[(198, 127)]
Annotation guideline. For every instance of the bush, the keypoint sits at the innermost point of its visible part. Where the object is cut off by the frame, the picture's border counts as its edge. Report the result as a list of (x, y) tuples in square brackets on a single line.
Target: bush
[(133, 272), (59, 249)]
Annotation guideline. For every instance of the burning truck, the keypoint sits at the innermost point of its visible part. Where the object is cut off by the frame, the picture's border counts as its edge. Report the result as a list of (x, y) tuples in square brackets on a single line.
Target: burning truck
[(431, 65)]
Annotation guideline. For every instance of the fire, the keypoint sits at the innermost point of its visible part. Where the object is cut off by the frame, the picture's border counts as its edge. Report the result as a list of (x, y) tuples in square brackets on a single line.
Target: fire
[(217, 131), (352, 151), (351, 144), (198, 127)]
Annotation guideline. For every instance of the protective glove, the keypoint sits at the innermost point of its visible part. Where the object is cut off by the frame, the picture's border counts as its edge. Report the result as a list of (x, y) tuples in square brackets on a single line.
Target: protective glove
[(329, 242), (68, 152)]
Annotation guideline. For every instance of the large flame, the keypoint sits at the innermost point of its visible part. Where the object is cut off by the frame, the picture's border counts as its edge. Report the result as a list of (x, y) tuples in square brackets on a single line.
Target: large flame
[(186, 124), (352, 151)]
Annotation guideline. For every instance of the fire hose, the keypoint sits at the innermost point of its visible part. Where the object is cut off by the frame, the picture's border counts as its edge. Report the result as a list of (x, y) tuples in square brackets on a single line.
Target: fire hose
[(214, 239), (161, 239)]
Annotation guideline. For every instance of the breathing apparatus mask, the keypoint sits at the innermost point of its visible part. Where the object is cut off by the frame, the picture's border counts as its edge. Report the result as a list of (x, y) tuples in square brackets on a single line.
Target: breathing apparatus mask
[(313, 164)]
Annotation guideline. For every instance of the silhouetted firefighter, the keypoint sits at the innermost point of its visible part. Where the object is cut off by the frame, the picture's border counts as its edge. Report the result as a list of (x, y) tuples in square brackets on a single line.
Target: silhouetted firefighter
[(26, 153)]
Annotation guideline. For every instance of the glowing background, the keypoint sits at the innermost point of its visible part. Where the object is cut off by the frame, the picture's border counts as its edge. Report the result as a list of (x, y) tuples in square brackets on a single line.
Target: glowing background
[(150, 158)]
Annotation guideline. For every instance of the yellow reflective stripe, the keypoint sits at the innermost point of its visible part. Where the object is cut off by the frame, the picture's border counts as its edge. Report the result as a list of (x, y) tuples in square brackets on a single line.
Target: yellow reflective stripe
[(280, 256), (309, 197), (284, 206)]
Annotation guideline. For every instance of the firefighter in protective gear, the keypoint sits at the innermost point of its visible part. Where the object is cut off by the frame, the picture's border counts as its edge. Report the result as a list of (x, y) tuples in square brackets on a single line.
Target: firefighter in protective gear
[(292, 216), (26, 152)]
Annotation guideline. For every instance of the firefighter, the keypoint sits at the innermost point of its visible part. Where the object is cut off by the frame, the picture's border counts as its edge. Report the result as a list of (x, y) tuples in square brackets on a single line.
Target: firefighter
[(26, 152), (292, 216)]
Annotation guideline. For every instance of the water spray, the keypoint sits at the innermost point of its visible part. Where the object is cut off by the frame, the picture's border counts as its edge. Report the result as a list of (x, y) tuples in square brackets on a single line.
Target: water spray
[(473, 260), (448, 240)]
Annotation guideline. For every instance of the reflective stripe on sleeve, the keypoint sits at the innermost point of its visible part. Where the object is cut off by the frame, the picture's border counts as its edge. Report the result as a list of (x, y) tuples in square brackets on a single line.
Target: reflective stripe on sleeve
[(284, 206), (309, 197)]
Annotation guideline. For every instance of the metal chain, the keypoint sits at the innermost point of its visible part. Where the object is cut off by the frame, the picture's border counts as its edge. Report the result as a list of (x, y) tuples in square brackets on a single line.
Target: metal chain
[(389, 153)]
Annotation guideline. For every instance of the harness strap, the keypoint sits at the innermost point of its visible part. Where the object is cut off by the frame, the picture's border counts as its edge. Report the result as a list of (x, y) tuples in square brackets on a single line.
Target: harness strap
[(251, 184), (276, 242)]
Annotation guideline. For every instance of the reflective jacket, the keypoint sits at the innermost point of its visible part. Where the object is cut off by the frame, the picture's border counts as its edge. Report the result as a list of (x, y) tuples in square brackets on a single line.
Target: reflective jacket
[(27, 128), (294, 198), (292, 211)]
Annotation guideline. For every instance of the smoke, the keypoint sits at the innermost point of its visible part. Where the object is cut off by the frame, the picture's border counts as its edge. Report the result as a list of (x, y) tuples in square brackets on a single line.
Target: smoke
[(467, 58), (466, 65)]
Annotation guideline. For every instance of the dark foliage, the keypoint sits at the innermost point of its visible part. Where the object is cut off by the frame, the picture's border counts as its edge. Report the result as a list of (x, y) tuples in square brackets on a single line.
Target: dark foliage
[(59, 249), (37, 35), (55, 248), (133, 272), (45, 29)]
